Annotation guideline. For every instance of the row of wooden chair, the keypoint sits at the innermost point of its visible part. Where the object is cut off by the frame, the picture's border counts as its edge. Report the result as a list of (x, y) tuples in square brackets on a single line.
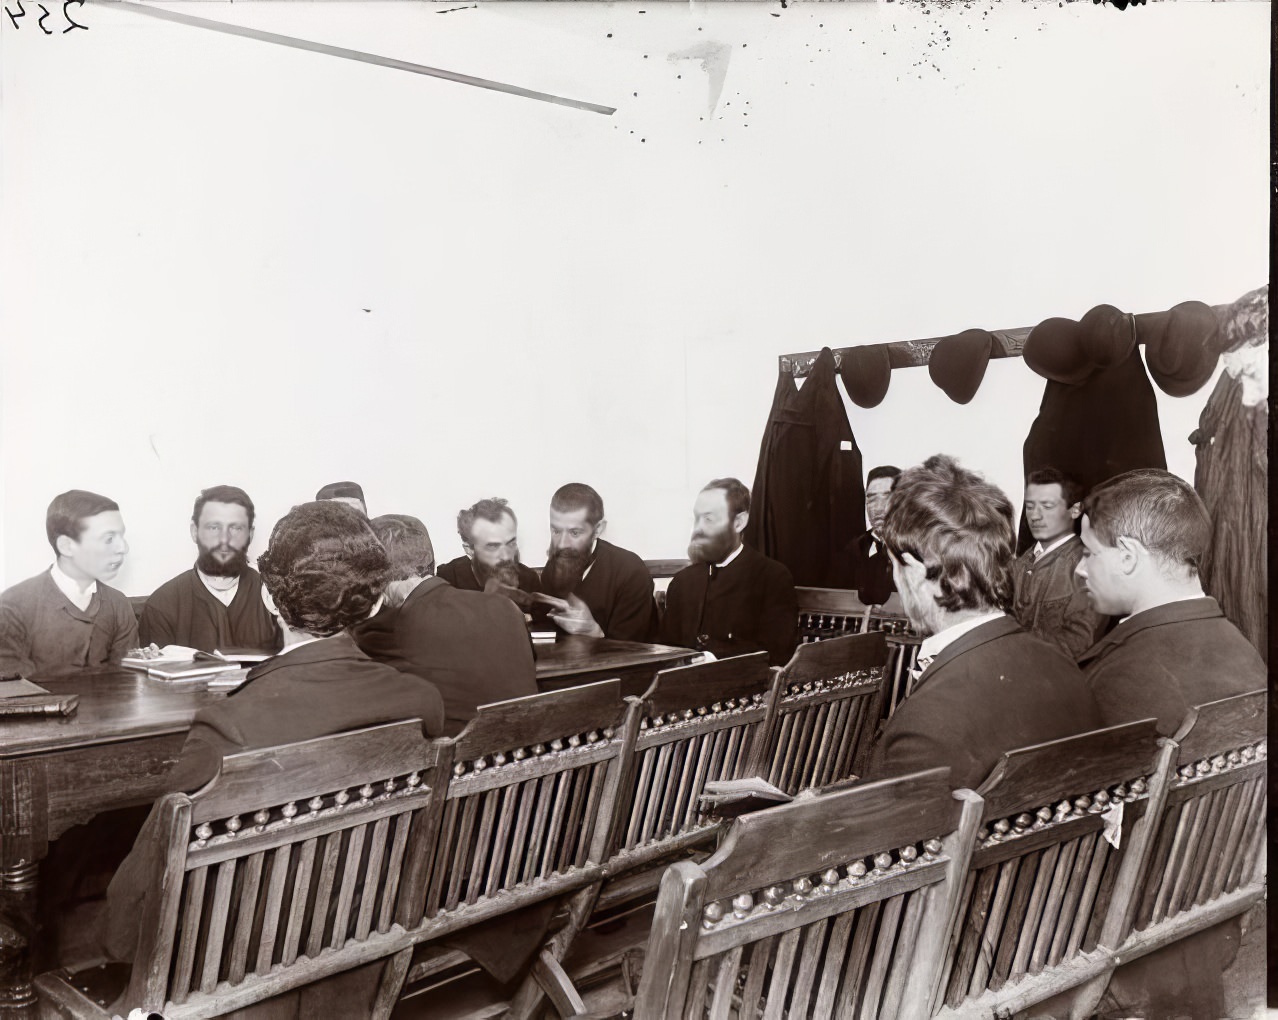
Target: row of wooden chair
[(299, 862), (899, 900)]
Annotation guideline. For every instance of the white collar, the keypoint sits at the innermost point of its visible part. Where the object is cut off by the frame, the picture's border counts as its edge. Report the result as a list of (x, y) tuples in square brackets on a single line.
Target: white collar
[(731, 556), (934, 645), (70, 587), (1040, 549), (593, 546), (1179, 598)]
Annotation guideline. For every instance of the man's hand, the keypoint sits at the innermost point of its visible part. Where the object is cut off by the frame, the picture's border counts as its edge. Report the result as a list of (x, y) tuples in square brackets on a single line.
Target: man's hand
[(575, 618)]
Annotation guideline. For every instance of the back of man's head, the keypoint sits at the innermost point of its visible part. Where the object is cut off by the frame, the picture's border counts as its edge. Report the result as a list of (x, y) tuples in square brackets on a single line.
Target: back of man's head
[(223, 494), (70, 510), (578, 496), (1160, 511), (960, 527), (407, 544), (494, 510), (324, 568)]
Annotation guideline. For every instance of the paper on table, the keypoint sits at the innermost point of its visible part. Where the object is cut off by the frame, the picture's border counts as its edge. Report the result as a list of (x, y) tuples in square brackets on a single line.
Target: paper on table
[(19, 689)]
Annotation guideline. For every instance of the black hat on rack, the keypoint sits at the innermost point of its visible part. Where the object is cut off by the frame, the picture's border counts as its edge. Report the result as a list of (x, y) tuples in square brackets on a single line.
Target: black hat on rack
[(1054, 349), (866, 372), (1106, 335), (958, 363), (1183, 357)]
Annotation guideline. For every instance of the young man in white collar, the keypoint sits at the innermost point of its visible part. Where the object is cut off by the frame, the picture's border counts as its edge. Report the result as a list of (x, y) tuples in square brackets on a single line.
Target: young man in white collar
[(67, 618), (1048, 599), (216, 605), (986, 686), (732, 600)]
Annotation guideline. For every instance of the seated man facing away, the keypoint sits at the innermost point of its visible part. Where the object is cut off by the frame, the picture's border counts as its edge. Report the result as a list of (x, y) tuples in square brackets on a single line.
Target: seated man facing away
[(986, 686), (1145, 533), (350, 493), (489, 534), (1048, 598), (609, 588), (68, 618), (869, 568), (473, 647), (217, 605), (731, 600), (323, 572)]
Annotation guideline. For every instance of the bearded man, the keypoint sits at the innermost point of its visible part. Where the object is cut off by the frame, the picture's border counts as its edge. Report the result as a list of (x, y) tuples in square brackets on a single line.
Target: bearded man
[(489, 532), (217, 605), (607, 589), (732, 600)]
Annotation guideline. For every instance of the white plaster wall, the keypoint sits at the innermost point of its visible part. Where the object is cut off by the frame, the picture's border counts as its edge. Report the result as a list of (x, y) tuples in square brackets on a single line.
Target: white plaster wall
[(194, 224)]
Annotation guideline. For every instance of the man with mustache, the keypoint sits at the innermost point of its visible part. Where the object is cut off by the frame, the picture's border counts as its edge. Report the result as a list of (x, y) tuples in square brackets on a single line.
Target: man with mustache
[(489, 533), (608, 589), (68, 618), (732, 600), (216, 605)]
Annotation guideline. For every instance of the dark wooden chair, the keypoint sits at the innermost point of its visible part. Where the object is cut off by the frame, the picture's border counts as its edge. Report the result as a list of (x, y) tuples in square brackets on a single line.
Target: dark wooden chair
[(1208, 861), (831, 906), (1044, 881), (828, 701), (286, 868)]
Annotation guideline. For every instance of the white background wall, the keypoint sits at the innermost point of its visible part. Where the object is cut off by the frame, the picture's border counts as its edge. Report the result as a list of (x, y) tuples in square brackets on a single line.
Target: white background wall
[(226, 261)]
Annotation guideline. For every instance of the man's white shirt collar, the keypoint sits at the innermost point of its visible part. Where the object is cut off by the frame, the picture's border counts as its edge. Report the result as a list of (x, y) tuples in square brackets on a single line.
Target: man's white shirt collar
[(1040, 549), (731, 556), (224, 595), (934, 645), (593, 546), (71, 588)]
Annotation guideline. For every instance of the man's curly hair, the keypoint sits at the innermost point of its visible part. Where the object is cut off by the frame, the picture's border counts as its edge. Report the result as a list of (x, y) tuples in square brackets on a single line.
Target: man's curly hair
[(324, 567)]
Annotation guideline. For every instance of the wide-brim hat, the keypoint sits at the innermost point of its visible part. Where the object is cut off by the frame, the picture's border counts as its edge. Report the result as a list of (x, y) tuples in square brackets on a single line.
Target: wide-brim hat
[(1183, 357), (1106, 335), (866, 372), (1054, 349), (958, 363)]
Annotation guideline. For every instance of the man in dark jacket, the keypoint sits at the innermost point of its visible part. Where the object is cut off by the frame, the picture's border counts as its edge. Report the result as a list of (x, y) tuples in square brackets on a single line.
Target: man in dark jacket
[(217, 604), (489, 532), (868, 566), (732, 600), (608, 589), (985, 686), (473, 647), (323, 572)]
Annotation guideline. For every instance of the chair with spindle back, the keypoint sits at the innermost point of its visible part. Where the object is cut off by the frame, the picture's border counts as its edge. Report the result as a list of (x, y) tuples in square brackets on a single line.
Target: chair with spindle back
[(283, 870), (828, 700), (831, 906), (1208, 861), (1044, 880)]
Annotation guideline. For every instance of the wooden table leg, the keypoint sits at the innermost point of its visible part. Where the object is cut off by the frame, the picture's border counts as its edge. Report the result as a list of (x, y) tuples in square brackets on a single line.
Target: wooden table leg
[(17, 925)]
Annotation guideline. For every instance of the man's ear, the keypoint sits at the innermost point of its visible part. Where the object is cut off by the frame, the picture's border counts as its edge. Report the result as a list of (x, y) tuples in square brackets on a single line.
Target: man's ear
[(740, 521), (65, 545), (195, 533), (1130, 553), (469, 550), (601, 527), (1076, 511), (269, 603)]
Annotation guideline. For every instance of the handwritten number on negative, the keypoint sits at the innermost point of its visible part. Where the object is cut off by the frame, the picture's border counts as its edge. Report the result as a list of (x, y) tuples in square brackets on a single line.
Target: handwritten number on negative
[(14, 17), (40, 23), (66, 14)]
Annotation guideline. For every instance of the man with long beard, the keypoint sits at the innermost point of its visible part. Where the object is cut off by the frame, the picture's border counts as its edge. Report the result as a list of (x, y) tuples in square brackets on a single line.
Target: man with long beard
[(608, 589), (217, 605), (732, 600), (489, 533)]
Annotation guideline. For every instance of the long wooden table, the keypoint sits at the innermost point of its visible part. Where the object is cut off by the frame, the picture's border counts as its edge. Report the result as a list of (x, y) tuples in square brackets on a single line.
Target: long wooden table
[(117, 750)]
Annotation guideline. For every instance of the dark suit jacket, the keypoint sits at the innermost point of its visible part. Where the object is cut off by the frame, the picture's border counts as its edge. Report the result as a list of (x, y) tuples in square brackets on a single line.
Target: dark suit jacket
[(869, 569), (461, 574), (325, 687), (995, 689), (182, 611), (749, 606), (473, 647), (618, 591), (1162, 662)]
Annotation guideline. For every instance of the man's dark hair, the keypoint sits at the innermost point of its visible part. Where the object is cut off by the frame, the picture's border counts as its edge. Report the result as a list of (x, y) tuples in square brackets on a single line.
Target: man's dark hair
[(223, 494), (1160, 511), (737, 495), (407, 544), (960, 527), (487, 509), (341, 490), (578, 496), (70, 511), (1071, 490), (324, 567), (883, 471)]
